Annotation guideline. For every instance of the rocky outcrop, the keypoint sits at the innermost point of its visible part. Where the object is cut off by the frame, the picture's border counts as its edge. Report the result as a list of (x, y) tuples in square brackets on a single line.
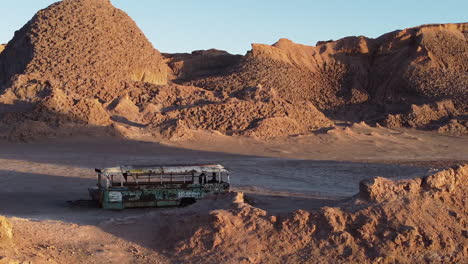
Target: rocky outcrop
[(455, 127), (441, 115), (272, 68), (420, 220), (6, 231), (8, 249)]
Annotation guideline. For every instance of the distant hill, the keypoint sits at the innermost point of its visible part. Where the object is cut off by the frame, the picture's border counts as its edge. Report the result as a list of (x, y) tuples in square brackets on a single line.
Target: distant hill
[(415, 65)]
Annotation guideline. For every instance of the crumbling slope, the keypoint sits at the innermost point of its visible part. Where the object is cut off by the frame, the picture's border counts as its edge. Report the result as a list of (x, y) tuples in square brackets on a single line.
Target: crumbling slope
[(420, 220)]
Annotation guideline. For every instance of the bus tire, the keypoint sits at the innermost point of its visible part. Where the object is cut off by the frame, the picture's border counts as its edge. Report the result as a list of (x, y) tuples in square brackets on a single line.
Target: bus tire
[(187, 201)]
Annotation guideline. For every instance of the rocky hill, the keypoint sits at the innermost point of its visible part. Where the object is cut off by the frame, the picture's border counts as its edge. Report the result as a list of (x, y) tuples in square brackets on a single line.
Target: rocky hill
[(85, 47), (381, 76)]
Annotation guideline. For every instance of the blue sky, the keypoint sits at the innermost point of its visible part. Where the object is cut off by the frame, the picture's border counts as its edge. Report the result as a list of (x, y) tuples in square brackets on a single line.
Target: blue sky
[(186, 25)]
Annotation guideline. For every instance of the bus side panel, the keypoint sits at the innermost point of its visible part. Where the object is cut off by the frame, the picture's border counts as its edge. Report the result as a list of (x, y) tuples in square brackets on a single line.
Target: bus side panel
[(112, 200), (168, 203), (120, 199)]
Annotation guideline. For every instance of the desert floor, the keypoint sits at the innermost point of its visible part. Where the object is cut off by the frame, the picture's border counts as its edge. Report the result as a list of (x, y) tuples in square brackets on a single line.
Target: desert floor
[(280, 175)]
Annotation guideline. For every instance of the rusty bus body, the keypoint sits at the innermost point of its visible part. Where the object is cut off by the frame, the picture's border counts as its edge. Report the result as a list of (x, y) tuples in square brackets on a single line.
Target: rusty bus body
[(156, 186)]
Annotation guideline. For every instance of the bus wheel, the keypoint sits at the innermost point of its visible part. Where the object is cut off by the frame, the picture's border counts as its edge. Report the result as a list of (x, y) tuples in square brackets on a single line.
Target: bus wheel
[(187, 201)]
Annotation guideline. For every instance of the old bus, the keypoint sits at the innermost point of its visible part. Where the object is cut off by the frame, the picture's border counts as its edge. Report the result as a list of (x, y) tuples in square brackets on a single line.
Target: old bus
[(155, 186)]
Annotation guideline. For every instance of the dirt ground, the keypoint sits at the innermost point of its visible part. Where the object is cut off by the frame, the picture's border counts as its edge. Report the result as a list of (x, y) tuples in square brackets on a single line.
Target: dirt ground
[(281, 176)]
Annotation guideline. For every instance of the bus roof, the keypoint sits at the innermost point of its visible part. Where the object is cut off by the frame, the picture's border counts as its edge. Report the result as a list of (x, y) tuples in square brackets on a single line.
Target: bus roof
[(164, 169)]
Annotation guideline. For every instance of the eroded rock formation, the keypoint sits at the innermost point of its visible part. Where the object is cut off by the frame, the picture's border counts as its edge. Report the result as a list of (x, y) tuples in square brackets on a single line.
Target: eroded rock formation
[(420, 220)]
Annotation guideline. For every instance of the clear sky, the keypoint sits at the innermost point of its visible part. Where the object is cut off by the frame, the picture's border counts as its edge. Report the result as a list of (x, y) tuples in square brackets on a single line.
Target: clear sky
[(232, 25)]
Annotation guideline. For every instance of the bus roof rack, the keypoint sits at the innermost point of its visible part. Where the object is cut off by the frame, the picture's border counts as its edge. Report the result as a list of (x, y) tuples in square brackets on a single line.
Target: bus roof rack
[(164, 169)]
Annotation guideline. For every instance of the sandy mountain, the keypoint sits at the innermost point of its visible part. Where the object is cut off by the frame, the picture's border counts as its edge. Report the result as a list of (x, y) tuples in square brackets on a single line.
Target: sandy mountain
[(81, 46)]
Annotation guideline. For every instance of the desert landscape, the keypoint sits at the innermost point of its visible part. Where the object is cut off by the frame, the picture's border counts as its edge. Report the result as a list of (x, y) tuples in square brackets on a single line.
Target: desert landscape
[(351, 151)]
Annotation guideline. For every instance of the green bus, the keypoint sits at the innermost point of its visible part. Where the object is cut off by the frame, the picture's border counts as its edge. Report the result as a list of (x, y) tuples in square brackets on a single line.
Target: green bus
[(157, 186)]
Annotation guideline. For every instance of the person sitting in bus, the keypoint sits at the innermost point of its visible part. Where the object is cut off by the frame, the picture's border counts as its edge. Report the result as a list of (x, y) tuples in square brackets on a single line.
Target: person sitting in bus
[(200, 178), (213, 178)]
